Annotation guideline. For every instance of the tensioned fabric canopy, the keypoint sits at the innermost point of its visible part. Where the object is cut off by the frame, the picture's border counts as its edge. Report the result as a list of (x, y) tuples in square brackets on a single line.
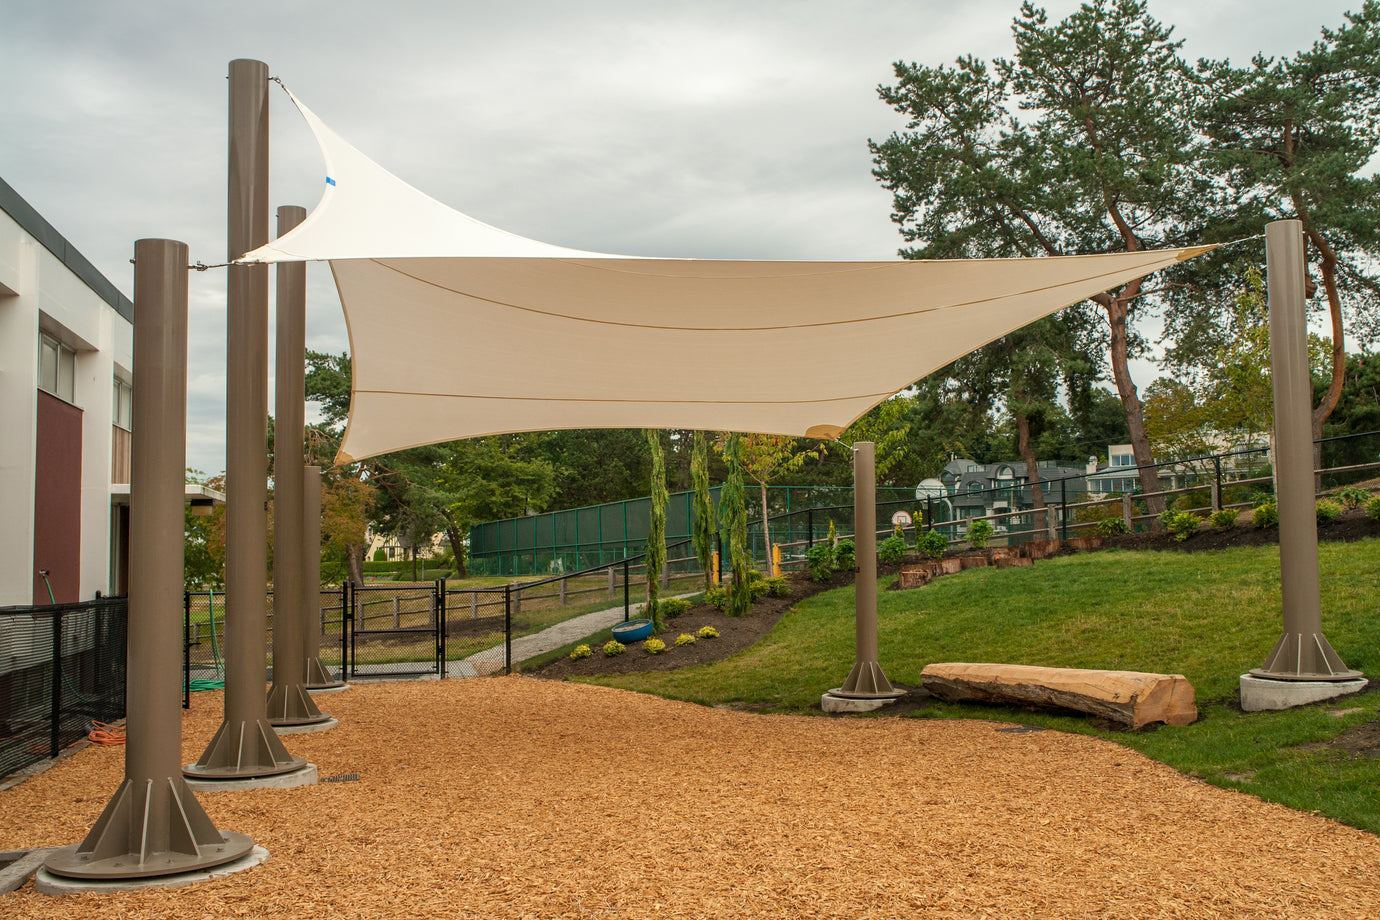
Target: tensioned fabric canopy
[(459, 329)]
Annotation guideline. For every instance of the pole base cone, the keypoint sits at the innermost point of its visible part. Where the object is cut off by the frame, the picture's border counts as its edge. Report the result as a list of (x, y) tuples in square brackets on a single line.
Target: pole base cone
[(1304, 656), (243, 751), (867, 682), (290, 704), (318, 678), (148, 830)]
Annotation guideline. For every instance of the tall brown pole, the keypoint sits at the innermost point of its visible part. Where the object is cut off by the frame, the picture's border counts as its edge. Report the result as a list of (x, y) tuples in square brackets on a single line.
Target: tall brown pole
[(866, 680), (154, 826), (318, 678), (1302, 653), (246, 746), (288, 700)]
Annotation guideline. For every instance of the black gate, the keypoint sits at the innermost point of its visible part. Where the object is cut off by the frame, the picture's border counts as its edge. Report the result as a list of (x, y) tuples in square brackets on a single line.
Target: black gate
[(395, 630)]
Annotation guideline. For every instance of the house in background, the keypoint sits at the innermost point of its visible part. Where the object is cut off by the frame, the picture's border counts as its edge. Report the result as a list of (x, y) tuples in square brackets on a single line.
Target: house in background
[(66, 349), (982, 489)]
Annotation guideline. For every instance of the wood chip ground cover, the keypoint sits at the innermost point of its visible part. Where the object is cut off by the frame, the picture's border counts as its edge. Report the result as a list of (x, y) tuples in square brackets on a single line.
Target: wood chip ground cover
[(516, 797)]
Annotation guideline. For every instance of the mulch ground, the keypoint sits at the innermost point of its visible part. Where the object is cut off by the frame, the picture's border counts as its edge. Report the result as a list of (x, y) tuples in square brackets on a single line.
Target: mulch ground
[(515, 797)]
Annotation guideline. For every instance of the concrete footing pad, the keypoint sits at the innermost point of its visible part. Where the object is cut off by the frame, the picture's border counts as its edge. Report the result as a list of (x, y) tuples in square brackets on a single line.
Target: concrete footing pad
[(48, 883), (307, 776), (830, 703), (332, 689), (307, 727), (1259, 694)]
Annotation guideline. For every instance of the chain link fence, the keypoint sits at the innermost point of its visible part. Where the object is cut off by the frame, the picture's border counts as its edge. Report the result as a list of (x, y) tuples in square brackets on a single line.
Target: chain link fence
[(62, 667)]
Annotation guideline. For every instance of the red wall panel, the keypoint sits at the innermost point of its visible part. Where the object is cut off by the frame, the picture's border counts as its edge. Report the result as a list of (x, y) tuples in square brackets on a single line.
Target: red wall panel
[(57, 500)]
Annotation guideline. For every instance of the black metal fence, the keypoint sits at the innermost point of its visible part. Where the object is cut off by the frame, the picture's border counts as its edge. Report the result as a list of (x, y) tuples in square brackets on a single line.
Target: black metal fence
[(395, 630), (62, 667)]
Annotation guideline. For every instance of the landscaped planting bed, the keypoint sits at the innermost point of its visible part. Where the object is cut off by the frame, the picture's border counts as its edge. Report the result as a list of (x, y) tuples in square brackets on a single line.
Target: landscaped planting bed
[(515, 797)]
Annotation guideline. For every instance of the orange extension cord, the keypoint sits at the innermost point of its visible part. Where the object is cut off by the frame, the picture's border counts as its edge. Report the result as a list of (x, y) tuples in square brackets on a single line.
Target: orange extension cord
[(105, 734)]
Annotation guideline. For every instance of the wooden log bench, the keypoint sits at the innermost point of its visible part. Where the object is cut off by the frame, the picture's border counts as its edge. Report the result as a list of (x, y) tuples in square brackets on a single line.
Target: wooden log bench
[(1131, 698)]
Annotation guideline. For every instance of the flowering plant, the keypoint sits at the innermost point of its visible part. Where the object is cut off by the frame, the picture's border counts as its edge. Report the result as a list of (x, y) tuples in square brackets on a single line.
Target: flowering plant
[(582, 651), (684, 639), (614, 647), (654, 646), (708, 632)]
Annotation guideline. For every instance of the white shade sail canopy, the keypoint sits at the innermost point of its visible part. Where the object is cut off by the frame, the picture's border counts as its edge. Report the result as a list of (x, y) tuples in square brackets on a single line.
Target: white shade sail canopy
[(459, 329)]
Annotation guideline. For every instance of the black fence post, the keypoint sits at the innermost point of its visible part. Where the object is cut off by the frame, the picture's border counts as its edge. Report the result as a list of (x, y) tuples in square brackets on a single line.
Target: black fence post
[(1063, 509), (54, 745), (347, 631), (929, 513), (626, 601), (186, 650), (810, 524), (441, 627), (1217, 463), (507, 629)]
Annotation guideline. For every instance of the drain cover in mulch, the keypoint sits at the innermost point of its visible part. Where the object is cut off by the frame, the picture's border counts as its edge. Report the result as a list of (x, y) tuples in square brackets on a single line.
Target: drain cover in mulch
[(1020, 729), (341, 778)]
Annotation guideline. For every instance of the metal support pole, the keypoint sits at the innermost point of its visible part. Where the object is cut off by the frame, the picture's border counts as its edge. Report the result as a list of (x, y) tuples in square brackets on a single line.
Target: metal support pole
[(316, 675), (289, 703), (187, 649), (246, 746), (441, 626), (1302, 653), (866, 680), (55, 699), (627, 601), (154, 825)]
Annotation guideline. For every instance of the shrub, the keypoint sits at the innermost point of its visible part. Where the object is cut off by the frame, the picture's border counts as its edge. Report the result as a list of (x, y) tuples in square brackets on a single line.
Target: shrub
[(1373, 508), (819, 562), (932, 544), (1260, 497), (979, 532), (614, 647), (684, 639), (1326, 510), (776, 587), (1353, 496), (891, 550), (1223, 520), (719, 596), (1266, 515), (582, 651), (708, 632), (654, 646), (845, 556), (833, 535), (1182, 524), (674, 606), (380, 555), (1110, 527)]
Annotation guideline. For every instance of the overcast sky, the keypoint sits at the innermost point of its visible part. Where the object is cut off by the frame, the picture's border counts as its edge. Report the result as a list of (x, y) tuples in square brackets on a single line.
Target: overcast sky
[(709, 129)]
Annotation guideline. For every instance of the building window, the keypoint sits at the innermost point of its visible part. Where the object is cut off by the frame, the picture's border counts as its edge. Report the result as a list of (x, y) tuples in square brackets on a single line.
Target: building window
[(123, 409), (1123, 460), (57, 368)]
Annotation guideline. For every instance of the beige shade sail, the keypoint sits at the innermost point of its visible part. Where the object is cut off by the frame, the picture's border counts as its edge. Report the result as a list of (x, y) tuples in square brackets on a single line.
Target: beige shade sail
[(458, 329)]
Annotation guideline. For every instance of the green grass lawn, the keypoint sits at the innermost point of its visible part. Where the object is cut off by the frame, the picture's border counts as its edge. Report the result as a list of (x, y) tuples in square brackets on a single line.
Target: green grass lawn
[(1209, 616)]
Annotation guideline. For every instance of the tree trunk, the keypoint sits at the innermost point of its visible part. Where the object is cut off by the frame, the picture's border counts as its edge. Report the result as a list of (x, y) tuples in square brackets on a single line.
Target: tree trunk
[(1032, 472), (1323, 410), (1130, 400), (457, 549), (354, 563)]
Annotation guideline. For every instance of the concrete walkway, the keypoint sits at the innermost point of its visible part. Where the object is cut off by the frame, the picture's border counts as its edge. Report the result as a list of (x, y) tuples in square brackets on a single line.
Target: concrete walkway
[(490, 661)]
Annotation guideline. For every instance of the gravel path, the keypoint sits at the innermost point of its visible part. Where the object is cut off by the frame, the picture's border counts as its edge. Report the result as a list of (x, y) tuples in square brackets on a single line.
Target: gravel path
[(515, 797)]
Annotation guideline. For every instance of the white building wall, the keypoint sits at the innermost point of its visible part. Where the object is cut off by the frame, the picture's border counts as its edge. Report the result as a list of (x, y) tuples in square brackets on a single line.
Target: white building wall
[(18, 409), (37, 291)]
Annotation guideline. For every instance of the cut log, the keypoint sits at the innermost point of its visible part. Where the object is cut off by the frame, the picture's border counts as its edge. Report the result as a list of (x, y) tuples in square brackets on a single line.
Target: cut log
[(972, 562), (1040, 549), (1012, 562), (914, 576), (1084, 544), (1132, 698)]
